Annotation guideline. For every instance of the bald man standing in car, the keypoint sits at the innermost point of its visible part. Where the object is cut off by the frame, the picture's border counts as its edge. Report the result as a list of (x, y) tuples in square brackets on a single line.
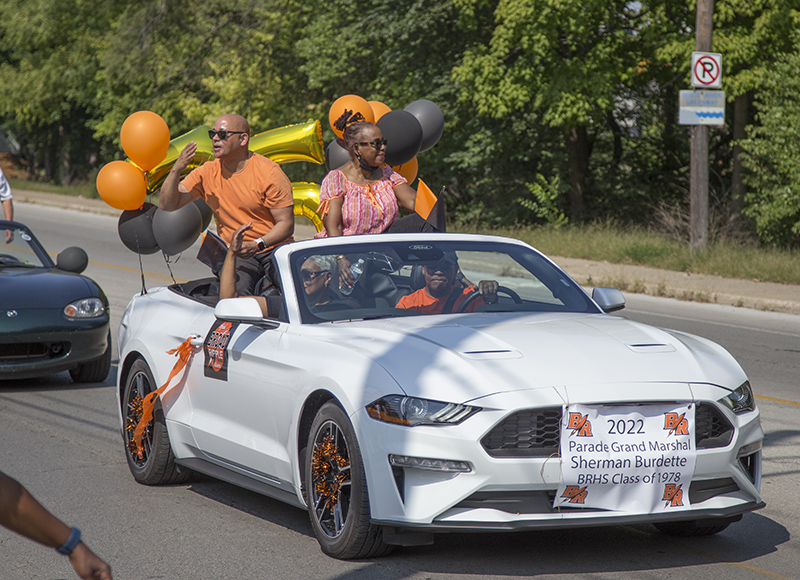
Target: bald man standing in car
[(240, 187)]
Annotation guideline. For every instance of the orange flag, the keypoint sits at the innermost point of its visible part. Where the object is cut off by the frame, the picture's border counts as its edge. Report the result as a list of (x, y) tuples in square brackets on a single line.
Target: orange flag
[(425, 200), (149, 402)]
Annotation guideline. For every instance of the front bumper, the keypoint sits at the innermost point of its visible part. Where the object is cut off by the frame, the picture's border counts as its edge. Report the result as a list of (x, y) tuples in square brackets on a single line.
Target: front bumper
[(52, 349), (515, 493)]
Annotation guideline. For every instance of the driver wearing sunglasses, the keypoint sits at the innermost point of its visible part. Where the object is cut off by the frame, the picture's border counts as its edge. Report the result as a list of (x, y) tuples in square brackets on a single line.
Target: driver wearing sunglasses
[(240, 187)]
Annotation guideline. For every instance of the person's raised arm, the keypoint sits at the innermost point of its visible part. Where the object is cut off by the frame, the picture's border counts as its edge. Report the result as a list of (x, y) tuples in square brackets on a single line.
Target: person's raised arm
[(21, 513), (173, 194), (227, 276)]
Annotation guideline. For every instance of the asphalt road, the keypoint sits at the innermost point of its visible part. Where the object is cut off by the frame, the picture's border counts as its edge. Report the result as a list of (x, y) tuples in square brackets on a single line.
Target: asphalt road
[(62, 441)]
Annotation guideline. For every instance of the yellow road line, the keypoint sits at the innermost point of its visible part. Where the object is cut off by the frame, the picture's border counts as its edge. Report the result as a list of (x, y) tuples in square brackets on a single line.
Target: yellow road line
[(135, 271), (774, 400)]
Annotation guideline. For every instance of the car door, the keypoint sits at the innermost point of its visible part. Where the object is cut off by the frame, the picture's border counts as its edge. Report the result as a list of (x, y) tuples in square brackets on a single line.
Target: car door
[(230, 393)]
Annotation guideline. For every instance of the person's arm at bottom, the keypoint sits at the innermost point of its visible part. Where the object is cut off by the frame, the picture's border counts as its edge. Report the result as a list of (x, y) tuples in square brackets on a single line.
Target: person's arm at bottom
[(8, 211), (21, 513)]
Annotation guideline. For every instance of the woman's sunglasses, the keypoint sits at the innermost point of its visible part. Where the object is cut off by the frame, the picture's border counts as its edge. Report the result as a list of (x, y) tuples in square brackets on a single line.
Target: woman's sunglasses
[(308, 275), (376, 144)]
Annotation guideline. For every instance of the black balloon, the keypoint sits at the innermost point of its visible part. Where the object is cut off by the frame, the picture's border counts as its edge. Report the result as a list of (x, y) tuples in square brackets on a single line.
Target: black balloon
[(176, 230), (336, 155), (206, 213), (72, 259), (430, 118), (135, 229), (403, 135)]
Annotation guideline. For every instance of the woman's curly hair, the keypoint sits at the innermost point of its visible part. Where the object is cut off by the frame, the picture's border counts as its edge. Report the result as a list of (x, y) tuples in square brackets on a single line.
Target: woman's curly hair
[(352, 125)]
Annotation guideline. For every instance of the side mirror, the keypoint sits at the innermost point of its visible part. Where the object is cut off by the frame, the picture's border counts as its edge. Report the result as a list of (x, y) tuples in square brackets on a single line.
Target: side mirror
[(72, 259), (609, 299), (239, 310)]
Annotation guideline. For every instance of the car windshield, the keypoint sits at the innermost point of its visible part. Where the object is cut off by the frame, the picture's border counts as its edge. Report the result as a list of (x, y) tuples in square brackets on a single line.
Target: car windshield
[(419, 278), (19, 248)]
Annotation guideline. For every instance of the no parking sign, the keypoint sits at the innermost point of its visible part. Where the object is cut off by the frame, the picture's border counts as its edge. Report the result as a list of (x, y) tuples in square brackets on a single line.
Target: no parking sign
[(706, 70)]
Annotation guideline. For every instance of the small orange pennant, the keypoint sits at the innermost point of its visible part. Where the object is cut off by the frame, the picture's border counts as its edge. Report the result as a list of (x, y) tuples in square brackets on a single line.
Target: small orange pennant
[(149, 402), (425, 200)]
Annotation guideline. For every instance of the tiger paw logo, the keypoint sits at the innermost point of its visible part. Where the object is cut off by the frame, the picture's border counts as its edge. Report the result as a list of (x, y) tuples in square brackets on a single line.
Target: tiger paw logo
[(676, 424), (673, 495), (575, 494), (580, 425)]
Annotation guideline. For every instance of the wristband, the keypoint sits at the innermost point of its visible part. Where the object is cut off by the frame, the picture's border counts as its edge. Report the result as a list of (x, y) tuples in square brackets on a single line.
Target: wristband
[(73, 540), (340, 256), (262, 245)]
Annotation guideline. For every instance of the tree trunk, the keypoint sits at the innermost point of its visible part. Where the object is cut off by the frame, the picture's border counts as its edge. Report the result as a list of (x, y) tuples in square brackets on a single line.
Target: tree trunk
[(740, 119), (578, 152)]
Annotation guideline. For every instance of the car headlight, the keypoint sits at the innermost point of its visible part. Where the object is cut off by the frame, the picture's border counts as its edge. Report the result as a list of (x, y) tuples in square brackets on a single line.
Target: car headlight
[(411, 411), (86, 308), (741, 399)]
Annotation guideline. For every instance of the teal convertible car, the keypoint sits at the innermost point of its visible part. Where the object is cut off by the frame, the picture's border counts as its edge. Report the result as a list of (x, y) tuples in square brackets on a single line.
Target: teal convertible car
[(52, 319)]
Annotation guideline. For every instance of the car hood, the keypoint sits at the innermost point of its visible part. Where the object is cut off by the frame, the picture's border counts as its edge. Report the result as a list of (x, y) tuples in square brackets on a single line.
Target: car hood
[(26, 288), (476, 355)]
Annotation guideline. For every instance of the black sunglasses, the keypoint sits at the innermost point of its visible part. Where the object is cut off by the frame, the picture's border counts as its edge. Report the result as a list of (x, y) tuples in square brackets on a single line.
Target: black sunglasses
[(376, 144), (223, 134), (308, 275)]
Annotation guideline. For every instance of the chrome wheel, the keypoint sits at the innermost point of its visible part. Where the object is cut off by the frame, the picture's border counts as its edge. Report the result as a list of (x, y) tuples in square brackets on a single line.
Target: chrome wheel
[(331, 483)]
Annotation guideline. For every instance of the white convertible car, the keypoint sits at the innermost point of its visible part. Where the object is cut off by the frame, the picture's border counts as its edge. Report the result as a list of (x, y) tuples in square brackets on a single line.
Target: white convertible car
[(461, 383)]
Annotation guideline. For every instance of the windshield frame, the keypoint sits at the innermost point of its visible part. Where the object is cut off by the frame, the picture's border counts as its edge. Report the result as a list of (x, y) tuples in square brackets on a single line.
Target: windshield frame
[(538, 267), (23, 234)]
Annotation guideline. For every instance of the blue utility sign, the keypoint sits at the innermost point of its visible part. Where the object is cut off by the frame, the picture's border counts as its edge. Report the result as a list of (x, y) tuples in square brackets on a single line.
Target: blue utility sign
[(702, 108)]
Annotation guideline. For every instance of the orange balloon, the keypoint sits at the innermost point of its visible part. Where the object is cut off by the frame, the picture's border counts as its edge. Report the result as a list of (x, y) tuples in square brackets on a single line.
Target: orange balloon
[(122, 185), (349, 103), (145, 139), (408, 169), (378, 109)]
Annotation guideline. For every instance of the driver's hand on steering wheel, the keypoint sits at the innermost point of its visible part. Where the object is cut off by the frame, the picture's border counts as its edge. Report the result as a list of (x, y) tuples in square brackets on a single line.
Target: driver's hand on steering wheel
[(488, 290)]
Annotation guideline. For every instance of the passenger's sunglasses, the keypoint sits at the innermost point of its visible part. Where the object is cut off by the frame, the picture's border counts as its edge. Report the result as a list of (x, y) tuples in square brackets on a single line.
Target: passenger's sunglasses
[(223, 134), (308, 275), (376, 144)]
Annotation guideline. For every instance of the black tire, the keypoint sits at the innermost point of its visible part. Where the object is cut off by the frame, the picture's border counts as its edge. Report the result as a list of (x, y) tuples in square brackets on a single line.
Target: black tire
[(157, 465), (336, 489), (94, 371), (692, 528)]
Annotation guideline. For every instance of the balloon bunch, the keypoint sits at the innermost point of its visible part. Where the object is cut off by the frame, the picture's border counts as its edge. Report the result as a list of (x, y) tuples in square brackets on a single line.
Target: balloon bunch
[(145, 139), (408, 132)]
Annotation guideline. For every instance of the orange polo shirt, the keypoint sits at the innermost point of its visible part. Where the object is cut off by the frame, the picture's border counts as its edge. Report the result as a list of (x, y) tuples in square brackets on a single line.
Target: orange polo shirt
[(245, 196)]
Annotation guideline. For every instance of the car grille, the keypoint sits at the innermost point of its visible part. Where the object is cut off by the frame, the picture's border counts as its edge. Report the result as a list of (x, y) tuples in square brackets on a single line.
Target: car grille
[(26, 352), (528, 433), (712, 429), (535, 432)]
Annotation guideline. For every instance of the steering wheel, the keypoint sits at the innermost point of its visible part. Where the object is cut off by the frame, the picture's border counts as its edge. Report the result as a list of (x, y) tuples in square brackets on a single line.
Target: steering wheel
[(472, 296), (9, 258)]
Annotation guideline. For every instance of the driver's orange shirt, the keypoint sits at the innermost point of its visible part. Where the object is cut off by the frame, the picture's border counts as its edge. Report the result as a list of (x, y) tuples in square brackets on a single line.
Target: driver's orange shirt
[(421, 302)]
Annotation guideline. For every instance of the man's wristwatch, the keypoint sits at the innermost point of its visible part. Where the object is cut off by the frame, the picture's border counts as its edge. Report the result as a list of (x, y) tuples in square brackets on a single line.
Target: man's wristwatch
[(71, 543), (262, 245)]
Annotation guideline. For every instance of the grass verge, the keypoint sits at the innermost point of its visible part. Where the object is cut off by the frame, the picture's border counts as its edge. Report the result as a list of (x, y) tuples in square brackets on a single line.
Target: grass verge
[(643, 248)]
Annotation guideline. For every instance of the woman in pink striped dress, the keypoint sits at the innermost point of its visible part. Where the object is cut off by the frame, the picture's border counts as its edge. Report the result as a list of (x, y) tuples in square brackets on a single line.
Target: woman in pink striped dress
[(362, 196)]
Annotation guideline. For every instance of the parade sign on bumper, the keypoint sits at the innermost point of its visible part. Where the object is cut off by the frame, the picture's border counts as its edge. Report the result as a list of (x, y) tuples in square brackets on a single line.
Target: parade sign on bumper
[(627, 458)]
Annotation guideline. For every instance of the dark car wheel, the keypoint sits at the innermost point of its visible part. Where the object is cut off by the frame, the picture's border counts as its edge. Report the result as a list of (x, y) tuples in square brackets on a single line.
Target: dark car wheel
[(692, 528), (157, 464), (94, 371), (336, 489)]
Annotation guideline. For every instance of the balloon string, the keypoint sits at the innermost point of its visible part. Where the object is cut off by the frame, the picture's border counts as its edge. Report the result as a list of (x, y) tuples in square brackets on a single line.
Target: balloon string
[(166, 261), (149, 402)]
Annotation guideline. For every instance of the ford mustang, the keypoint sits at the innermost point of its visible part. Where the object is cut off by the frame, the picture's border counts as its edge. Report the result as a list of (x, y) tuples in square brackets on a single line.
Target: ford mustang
[(401, 385)]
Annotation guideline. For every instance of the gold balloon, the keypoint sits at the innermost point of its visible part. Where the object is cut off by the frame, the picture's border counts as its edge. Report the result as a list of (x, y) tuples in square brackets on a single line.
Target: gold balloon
[(306, 202), (299, 142)]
